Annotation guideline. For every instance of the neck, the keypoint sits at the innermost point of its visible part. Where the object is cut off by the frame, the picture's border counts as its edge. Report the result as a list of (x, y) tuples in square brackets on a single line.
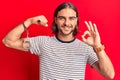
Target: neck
[(65, 38)]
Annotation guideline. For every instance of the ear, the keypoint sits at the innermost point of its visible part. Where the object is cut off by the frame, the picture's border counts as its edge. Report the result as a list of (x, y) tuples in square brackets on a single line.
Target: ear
[(55, 20), (78, 21)]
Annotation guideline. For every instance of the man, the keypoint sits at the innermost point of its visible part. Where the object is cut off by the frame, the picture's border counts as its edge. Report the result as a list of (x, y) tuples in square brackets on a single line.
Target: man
[(63, 57)]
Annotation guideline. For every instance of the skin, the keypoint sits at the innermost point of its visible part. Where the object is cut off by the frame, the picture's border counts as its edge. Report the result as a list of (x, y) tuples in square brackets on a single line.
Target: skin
[(66, 21), (66, 24)]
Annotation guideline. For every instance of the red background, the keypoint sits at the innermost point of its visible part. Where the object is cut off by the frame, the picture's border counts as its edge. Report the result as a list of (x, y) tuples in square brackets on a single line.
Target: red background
[(19, 65)]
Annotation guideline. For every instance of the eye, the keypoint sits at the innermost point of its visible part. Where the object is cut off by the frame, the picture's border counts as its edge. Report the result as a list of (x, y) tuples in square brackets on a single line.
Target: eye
[(61, 18), (72, 18)]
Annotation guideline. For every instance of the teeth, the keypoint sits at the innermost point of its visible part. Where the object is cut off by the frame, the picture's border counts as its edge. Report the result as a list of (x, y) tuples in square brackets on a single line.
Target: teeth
[(67, 26)]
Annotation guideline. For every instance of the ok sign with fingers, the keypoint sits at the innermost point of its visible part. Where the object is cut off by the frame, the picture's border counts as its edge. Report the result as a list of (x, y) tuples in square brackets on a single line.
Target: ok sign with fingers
[(93, 38)]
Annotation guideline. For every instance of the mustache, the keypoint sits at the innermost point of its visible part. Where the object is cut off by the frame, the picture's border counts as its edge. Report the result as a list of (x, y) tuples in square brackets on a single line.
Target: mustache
[(60, 30), (66, 25)]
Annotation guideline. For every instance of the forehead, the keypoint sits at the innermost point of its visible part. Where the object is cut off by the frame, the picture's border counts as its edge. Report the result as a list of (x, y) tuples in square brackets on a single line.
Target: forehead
[(66, 12)]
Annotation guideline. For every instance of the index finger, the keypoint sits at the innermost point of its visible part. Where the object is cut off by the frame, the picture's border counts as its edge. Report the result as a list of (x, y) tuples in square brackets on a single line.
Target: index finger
[(95, 28), (88, 26)]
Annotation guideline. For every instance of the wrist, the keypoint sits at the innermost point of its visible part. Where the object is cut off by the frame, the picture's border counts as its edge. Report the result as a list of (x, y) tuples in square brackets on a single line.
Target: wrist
[(99, 48), (98, 45), (27, 23)]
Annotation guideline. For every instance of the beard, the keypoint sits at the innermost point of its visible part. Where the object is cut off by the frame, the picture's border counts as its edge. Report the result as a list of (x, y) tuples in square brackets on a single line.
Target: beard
[(62, 33)]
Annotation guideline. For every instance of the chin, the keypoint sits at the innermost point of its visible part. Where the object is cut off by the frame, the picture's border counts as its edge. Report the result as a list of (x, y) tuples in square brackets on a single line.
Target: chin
[(66, 34)]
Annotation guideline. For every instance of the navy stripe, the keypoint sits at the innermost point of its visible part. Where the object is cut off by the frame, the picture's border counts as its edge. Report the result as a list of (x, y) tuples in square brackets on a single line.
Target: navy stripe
[(62, 61)]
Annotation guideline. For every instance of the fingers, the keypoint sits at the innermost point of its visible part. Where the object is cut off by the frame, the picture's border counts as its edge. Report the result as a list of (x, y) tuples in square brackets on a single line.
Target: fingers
[(86, 33), (87, 25), (42, 23), (90, 26), (40, 20), (95, 28)]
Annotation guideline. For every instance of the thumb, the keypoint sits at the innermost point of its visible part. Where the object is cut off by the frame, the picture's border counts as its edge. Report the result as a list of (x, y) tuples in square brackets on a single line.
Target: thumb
[(83, 38), (43, 24), (46, 25)]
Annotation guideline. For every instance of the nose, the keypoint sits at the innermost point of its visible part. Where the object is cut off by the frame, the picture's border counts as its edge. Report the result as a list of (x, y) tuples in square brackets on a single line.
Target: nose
[(67, 23)]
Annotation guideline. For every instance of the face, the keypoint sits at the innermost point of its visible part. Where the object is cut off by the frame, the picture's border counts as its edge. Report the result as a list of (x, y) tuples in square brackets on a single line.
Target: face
[(66, 21)]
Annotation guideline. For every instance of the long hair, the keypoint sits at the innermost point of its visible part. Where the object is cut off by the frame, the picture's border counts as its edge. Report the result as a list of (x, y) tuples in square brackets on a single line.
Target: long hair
[(60, 7)]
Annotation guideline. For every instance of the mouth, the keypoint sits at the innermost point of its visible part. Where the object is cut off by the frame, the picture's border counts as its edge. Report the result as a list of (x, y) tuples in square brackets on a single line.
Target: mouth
[(67, 27)]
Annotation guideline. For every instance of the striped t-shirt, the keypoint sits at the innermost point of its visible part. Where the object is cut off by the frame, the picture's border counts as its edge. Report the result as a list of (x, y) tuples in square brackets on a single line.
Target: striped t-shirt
[(62, 60)]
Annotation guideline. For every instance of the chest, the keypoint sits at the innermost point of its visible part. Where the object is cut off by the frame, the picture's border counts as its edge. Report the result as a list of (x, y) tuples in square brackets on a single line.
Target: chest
[(64, 53)]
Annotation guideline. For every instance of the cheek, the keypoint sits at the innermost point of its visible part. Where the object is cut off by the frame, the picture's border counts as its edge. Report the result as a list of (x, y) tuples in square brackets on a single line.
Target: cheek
[(74, 24), (60, 24)]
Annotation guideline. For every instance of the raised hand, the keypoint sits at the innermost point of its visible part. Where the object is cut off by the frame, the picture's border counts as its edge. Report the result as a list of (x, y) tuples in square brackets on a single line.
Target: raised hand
[(93, 38), (40, 20)]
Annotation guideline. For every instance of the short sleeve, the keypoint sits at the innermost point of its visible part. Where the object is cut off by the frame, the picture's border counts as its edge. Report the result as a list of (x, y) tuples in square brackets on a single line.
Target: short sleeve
[(92, 57), (36, 44)]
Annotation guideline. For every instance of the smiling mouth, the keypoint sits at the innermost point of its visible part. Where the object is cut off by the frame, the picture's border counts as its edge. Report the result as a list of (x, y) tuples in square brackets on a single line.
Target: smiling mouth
[(66, 32), (67, 26)]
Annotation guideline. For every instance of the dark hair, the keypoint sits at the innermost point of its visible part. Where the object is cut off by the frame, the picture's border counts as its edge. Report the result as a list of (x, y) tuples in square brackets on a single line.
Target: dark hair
[(60, 7)]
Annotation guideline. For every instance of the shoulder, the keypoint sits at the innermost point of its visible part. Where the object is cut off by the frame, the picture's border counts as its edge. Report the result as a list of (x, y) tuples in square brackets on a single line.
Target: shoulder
[(81, 42), (84, 45), (40, 39)]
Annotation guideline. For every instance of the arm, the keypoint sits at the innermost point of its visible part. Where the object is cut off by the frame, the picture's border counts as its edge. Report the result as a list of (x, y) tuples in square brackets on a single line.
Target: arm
[(103, 65), (13, 38)]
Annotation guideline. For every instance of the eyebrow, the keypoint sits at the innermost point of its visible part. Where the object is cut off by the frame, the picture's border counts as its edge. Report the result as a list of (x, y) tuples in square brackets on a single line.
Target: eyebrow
[(60, 17), (64, 17)]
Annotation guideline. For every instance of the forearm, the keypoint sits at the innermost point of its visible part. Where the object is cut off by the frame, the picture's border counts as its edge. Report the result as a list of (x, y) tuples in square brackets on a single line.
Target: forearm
[(15, 33), (13, 38), (104, 64)]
